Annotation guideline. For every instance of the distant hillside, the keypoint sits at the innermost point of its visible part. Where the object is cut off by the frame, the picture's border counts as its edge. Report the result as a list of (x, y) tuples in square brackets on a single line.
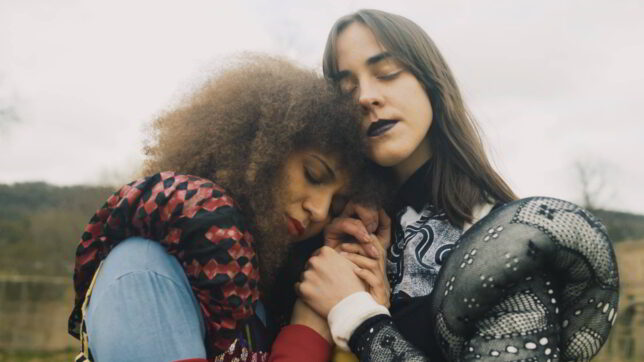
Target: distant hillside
[(622, 225), (40, 225)]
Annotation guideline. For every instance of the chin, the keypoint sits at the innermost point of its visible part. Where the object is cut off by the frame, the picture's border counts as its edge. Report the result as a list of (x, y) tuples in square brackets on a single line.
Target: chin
[(387, 159)]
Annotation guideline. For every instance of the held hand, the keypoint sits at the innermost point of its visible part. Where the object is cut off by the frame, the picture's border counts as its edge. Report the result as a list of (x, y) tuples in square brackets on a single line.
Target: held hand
[(368, 215), (345, 229), (355, 222), (383, 232), (371, 271), (328, 279), (304, 315)]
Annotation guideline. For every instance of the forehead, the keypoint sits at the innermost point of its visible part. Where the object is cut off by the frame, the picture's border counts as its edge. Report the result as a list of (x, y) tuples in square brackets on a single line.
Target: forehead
[(355, 44), (334, 162)]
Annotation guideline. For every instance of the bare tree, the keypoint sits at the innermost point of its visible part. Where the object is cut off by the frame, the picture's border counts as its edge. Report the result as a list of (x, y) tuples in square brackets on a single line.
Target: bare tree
[(591, 176), (8, 112)]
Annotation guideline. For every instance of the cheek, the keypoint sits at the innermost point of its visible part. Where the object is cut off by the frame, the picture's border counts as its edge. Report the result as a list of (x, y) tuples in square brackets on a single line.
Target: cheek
[(420, 110), (412, 95)]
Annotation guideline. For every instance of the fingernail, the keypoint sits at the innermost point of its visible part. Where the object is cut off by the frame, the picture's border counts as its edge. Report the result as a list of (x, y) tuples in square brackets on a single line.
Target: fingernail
[(366, 237), (372, 250), (372, 227)]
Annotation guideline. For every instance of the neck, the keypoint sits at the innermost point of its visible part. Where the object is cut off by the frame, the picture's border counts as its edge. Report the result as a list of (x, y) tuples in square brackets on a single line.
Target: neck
[(406, 168)]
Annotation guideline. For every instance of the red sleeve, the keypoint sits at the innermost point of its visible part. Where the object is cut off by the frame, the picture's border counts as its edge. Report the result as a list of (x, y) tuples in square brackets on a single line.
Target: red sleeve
[(297, 342)]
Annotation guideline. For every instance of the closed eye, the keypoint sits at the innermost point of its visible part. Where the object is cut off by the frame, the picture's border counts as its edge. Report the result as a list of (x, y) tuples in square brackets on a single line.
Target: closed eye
[(391, 75), (311, 178)]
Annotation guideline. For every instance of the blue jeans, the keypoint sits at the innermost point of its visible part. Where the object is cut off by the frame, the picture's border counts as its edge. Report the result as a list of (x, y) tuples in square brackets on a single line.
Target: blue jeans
[(142, 307)]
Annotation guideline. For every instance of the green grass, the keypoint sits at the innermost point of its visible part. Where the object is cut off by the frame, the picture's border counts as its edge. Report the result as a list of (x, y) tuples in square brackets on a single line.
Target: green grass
[(67, 355)]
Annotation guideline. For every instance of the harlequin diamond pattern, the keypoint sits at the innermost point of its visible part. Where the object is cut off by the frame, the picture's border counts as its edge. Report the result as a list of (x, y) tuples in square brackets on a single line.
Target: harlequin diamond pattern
[(200, 225)]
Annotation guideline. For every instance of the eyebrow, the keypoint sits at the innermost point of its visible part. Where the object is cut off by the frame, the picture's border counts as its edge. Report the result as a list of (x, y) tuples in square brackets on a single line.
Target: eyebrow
[(370, 61), (326, 165), (378, 58)]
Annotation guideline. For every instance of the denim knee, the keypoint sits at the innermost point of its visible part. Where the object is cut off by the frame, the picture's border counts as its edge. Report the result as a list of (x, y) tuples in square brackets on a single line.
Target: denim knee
[(143, 308)]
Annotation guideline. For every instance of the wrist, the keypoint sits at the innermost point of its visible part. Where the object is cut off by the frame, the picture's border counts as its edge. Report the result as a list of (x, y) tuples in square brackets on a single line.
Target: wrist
[(349, 313)]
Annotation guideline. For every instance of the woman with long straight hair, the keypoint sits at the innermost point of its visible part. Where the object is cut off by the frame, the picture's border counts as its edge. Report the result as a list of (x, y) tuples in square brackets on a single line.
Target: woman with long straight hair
[(472, 271)]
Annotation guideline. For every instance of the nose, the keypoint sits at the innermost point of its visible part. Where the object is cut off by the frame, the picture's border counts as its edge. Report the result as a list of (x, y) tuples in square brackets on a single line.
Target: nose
[(318, 205), (369, 96)]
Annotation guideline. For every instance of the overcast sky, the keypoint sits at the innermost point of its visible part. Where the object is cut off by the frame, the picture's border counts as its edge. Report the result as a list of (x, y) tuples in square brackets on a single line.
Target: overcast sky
[(551, 82)]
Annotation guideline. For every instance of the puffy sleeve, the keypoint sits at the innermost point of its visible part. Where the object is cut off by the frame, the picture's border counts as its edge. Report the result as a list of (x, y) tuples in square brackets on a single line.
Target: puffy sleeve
[(535, 279), (198, 223)]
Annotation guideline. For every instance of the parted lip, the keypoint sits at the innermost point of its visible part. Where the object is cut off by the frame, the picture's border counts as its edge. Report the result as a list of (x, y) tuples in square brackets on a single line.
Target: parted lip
[(294, 226), (380, 126)]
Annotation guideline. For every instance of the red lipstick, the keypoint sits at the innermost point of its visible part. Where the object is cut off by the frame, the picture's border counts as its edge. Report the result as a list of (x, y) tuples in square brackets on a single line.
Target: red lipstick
[(295, 228)]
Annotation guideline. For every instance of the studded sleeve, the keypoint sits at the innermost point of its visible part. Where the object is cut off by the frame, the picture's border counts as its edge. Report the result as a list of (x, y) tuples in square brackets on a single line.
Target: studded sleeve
[(198, 223), (535, 280), (378, 340)]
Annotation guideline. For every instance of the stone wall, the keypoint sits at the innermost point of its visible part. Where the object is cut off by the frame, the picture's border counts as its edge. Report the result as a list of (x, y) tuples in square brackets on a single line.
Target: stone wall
[(33, 313), (626, 342)]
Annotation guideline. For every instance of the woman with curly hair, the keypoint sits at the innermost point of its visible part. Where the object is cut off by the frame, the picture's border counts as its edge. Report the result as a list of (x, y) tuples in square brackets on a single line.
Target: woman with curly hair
[(473, 273), (173, 265)]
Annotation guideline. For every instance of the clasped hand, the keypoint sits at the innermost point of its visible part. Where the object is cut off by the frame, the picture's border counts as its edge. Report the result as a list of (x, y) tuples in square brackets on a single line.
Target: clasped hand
[(352, 260)]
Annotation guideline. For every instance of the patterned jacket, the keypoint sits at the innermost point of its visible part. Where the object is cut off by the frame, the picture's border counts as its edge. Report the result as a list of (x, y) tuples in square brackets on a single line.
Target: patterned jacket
[(198, 223)]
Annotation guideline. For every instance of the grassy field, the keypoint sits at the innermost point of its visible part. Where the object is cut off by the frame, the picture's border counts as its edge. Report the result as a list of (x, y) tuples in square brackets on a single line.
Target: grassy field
[(31, 356)]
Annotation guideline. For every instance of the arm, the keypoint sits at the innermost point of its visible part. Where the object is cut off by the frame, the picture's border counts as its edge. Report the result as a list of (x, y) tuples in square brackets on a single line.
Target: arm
[(307, 338), (332, 288), (353, 288), (547, 285)]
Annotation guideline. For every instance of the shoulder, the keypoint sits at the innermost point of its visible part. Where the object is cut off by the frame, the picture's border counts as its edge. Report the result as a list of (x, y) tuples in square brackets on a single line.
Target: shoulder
[(478, 212), (197, 190), (180, 198)]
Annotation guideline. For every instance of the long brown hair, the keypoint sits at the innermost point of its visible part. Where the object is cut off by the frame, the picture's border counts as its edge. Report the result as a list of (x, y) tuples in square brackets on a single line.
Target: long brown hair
[(461, 175)]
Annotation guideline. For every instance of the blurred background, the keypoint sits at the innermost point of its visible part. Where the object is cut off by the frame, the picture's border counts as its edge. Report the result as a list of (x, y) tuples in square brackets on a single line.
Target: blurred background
[(557, 87)]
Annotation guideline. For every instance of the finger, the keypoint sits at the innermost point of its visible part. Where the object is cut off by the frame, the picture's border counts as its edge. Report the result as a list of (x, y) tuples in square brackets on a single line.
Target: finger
[(378, 290), (342, 227), (303, 290), (371, 279), (305, 275), (384, 229), (363, 262), (353, 248), (369, 217), (372, 250)]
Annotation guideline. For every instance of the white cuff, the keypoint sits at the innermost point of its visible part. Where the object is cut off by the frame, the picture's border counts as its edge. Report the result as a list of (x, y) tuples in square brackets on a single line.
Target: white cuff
[(349, 313)]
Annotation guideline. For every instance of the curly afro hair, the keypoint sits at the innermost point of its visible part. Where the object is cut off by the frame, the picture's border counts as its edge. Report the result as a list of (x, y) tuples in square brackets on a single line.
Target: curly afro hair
[(239, 127)]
